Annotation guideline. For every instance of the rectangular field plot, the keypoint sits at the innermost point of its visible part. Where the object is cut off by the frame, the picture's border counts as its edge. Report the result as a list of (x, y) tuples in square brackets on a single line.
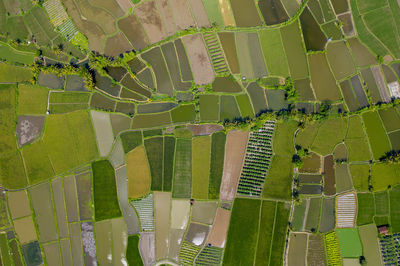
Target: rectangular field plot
[(332, 249), (154, 151), (58, 197), (209, 107), (274, 52), (257, 97), (366, 208), (201, 148), (297, 248), (84, 191), (298, 215), (381, 203), (368, 235), (44, 213), (257, 161), (394, 210), (162, 204), (315, 250), (327, 222), (216, 164), (182, 187), (349, 242), (376, 134), (346, 210)]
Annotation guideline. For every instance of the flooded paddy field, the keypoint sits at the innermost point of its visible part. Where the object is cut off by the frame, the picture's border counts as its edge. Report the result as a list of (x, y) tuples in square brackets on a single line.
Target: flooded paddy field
[(272, 11), (151, 21), (51, 80), (329, 176), (147, 248), (71, 202), (314, 38), (84, 191), (18, 204), (197, 234), (171, 59), (348, 94), (134, 31), (229, 46), (229, 109), (184, 64), (52, 253), (359, 91), (155, 107), (245, 13), (119, 123), (226, 84), (65, 251), (340, 60), (104, 135), (257, 97), (58, 198), (327, 222), (162, 203), (204, 212), (297, 246), (372, 87), (151, 120), (32, 253), (76, 243), (256, 54), (243, 54), (310, 178), (132, 85), (209, 107)]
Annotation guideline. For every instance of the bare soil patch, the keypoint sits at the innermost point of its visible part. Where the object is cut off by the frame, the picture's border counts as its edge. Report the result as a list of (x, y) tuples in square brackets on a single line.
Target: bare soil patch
[(200, 63), (146, 248), (148, 14), (182, 15), (28, 129), (117, 45), (199, 13), (204, 129), (219, 230), (162, 203), (235, 150), (166, 15), (134, 32)]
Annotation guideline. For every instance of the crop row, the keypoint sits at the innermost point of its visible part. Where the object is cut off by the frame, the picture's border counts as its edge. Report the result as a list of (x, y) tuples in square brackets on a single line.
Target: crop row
[(390, 249), (188, 253), (209, 256), (257, 161), (56, 12), (67, 30), (332, 249), (144, 208)]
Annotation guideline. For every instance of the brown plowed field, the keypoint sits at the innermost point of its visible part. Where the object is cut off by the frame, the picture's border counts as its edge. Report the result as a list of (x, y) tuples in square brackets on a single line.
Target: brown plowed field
[(151, 20), (235, 150), (217, 236)]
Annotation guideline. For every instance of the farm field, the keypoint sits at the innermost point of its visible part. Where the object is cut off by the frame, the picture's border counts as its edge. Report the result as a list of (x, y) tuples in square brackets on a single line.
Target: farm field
[(199, 132)]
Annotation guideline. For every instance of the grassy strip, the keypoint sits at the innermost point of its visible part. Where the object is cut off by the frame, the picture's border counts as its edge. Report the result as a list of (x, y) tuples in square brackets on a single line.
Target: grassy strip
[(216, 164), (106, 204), (131, 139), (132, 251), (366, 208), (169, 153), (201, 147), (154, 150)]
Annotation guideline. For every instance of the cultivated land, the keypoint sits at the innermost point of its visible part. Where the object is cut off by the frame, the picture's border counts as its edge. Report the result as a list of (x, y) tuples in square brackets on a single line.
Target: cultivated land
[(199, 132)]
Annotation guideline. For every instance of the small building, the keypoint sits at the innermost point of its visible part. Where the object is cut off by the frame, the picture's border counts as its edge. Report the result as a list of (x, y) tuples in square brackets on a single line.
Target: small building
[(383, 229)]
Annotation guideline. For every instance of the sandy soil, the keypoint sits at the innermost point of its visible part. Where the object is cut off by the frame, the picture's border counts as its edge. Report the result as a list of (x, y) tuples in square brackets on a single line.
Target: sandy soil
[(25, 229), (182, 15), (235, 149), (204, 129), (18, 204), (204, 212), (200, 63), (174, 243), (381, 83), (103, 130), (146, 248), (162, 203), (226, 13), (219, 229), (200, 14), (138, 172), (166, 14), (151, 20), (28, 128), (180, 213)]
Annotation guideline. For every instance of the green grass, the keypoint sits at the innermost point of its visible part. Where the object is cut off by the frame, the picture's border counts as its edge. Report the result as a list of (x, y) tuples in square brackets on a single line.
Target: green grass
[(394, 208), (360, 174), (8, 53), (183, 133), (384, 175), (229, 108), (154, 150), (381, 220), (216, 164), (380, 22), (209, 107), (83, 134), (105, 191), (279, 179), (12, 172), (377, 136), (10, 73), (390, 118), (364, 34), (305, 137), (366, 208), (201, 149), (6, 258), (213, 12), (169, 153), (381, 203), (313, 214), (37, 162), (67, 108), (355, 128), (349, 242), (266, 231), (243, 101), (278, 242), (330, 133), (182, 186), (242, 234), (183, 113), (295, 51), (151, 120), (132, 251), (131, 139), (152, 133), (274, 53), (298, 215), (69, 97), (358, 149), (59, 143), (368, 5)]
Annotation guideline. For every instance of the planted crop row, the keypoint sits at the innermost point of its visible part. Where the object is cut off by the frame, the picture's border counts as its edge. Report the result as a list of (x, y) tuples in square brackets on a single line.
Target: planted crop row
[(209, 256), (215, 51), (188, 253), (257, 161), (332, 249), (346, 210), (144, 208), (56, 12), (68, 30), (390, 249)]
